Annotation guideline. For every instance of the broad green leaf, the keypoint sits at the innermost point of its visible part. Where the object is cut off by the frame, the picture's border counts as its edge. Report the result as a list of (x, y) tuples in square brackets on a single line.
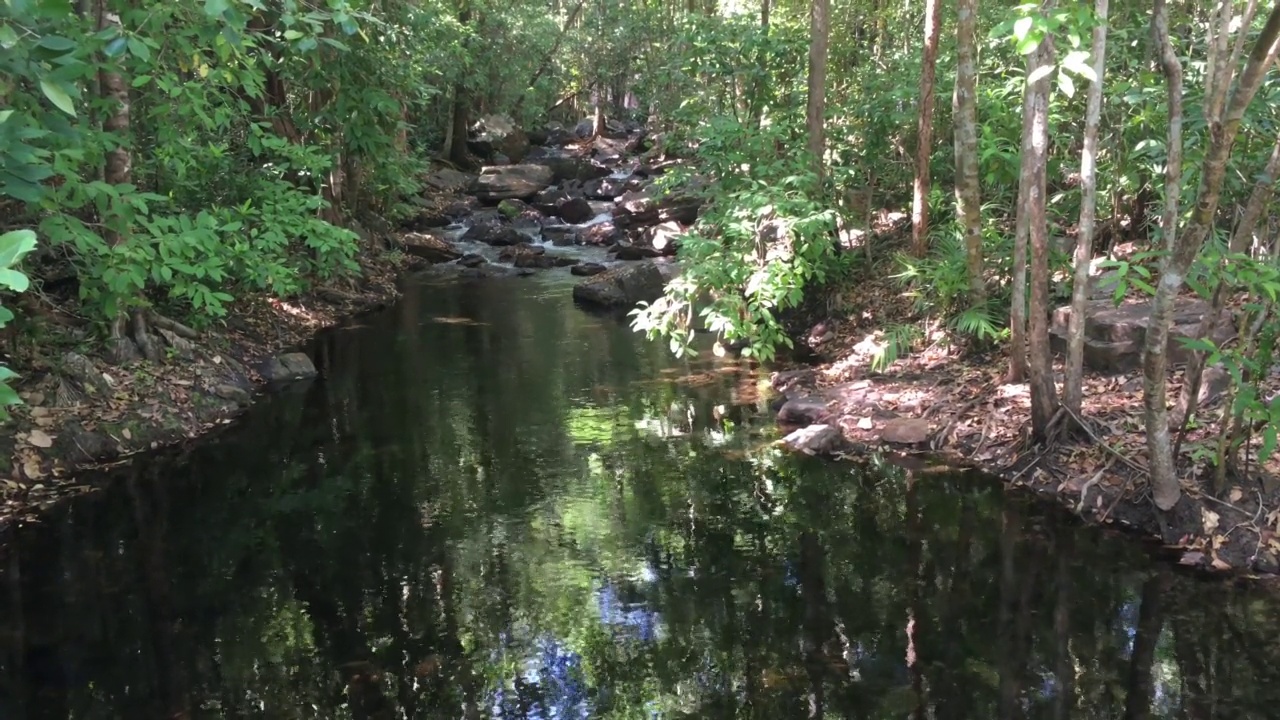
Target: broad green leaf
[(1021, 27), (14, 245), (58, 96), (1066, 84), (115, 48), (56, 43), (14, 280), (215, 8)]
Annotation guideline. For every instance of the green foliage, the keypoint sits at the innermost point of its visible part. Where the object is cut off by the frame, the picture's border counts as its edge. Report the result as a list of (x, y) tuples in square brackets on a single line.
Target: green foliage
[(14, 245), (765, 237)]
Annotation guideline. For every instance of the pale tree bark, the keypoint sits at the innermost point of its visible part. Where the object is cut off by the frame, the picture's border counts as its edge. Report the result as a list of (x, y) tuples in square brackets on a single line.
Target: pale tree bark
[(1044, 399), (819, 31), (924, 129), (1021, 229), (1182, 248), (1074, 389), (964, 103)]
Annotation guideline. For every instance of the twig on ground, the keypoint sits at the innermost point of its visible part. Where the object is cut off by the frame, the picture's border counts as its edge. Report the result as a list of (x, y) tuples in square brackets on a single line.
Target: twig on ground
[(1134, 465), (1084, 491)]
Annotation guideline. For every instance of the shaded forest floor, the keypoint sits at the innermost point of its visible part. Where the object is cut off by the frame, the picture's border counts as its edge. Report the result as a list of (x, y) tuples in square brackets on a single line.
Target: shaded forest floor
[(79, 412), (945, 405)]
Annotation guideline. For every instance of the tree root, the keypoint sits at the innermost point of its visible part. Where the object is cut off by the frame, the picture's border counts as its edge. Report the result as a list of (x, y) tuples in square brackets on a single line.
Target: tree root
[(131, 337)]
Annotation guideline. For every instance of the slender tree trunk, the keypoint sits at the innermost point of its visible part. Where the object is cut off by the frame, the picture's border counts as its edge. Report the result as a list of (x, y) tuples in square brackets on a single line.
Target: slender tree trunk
[(924, 129), (964, 105), (461, 110), (1183, 248), (764, 13), (546, 59), (117, 169), (819, 30), (1044, 399), (1088, 214)]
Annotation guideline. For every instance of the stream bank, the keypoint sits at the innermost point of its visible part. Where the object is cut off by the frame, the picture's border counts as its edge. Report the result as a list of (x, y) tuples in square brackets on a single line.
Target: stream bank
[(580, 205)]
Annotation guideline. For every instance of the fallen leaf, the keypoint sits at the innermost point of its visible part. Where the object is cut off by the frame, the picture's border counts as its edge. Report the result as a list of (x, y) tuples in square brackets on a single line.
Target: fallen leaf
[(127, 435), (1236, 494), (31, 468), (40, 439), (1210, 519), (865, 423), (1220, 564)]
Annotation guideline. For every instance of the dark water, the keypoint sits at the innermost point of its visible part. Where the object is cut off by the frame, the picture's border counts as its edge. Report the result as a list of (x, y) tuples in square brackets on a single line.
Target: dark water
[(497, 506)]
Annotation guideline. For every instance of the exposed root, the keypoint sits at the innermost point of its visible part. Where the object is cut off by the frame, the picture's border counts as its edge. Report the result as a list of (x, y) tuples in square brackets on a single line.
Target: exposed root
[(163, 323)]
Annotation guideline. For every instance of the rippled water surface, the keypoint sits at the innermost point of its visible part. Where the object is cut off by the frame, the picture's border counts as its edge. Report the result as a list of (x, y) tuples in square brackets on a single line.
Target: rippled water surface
[(497, 506)]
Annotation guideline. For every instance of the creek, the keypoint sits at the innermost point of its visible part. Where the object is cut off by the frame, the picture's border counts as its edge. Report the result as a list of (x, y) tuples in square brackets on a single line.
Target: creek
[(496, 505)]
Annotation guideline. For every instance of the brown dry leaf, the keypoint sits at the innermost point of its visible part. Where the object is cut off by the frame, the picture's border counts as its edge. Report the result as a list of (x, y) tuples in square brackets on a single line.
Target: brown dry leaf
[(1236, 495), (31, 468), (1210, 519), (40, 438), (1220, 564), (864, 423), (127, 435)]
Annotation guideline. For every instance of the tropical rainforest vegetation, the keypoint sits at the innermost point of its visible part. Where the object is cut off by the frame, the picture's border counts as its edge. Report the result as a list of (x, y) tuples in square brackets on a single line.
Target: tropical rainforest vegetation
[(159, 160)]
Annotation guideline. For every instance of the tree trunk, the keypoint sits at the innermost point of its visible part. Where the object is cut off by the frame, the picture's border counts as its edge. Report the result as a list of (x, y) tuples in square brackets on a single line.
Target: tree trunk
[(546, 59), (1044, 400), (924, 129), (764, 14), (1022, 224), (1088, 215), (964, 105), (1182, 249), (819, 29), (461, 109)]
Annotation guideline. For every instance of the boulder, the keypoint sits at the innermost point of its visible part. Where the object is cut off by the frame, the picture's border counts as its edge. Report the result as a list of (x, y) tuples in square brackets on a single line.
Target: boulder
[(512, 208), (511, 181), (635, 252), (287, 368), (585, 128), (645, 207), (498, 135), (461, 207), (429, 247), (660, 237), (560, 235), (587, 269), (601, 234), (449, 180), (565, 167), (495, 233), (814, 440), (622, 286), (1114, 335), (808, 410), (610, 188), (472, 260), (905, 431), (575, 210)]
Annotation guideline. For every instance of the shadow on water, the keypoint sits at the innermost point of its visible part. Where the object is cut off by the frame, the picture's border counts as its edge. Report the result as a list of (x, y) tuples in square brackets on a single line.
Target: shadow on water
[(497, 506)]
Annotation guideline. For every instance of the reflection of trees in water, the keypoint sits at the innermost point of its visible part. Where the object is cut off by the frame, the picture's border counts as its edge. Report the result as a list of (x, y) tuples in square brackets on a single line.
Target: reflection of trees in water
[(473, 524)]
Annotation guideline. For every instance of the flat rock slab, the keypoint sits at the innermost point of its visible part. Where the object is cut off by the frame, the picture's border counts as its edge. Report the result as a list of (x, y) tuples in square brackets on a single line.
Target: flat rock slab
[(1114, 335), (622, 286), (814, 440), (906, 431), (287, 368), (506, 182), (429, 247)]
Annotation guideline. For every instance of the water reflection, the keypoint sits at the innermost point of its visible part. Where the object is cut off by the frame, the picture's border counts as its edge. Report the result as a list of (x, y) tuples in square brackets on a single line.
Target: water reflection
[(532, 515)]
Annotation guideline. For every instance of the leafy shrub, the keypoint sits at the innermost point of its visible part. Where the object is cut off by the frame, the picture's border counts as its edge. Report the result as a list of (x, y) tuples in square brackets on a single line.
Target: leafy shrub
[(14, 245)]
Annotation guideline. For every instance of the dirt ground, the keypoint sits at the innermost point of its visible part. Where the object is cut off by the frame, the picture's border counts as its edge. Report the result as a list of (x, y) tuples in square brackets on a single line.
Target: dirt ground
[(945, 406), (80, 413)]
